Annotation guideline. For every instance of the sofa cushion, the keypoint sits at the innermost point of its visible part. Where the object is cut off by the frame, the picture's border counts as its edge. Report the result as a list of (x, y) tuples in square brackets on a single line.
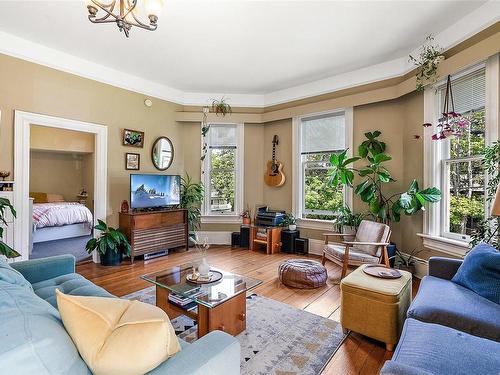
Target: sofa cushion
[(72, 284), (11, 276), (480, 272), (436, 349), (444, 302), (32, 337), (103, 329)]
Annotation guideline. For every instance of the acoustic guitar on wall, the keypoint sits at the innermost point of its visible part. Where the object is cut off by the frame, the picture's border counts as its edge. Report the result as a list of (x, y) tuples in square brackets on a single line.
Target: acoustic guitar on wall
[(274, 175)]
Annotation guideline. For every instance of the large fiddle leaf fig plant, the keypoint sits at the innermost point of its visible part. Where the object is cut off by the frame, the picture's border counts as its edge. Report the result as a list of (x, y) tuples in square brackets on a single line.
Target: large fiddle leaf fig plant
[(5, 207), (374, 177)]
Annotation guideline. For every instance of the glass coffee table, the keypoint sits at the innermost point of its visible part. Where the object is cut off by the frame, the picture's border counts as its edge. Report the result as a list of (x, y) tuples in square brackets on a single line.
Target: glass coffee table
[(220, 305)]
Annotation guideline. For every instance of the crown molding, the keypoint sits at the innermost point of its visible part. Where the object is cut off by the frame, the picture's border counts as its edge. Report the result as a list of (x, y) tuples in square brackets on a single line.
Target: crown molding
[(481, 18)]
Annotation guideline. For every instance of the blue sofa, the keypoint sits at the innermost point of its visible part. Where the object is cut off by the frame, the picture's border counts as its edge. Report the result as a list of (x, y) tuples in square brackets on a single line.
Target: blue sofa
[(33, 339), (449, 329)]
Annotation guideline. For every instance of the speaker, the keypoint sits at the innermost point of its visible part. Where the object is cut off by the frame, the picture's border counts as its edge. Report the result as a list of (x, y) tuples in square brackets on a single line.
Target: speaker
[(245, 236), (302, 245), (235, 239), (288, 240)]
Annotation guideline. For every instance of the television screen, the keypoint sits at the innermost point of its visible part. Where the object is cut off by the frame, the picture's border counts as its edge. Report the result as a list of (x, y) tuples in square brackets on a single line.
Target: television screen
[(152, 190)]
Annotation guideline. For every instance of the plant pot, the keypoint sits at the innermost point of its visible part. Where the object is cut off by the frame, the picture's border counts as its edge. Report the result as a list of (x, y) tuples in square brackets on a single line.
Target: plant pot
[(246, 221), (111, 258), (349, 230), (391, 252), (292, 227), (410, 268)]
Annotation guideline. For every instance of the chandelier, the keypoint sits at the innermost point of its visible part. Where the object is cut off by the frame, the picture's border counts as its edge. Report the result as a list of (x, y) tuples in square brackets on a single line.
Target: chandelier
[(450, 123), (124, 13)]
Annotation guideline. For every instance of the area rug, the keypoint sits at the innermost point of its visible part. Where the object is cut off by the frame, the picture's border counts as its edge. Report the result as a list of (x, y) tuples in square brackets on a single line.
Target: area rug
[(279, 338)]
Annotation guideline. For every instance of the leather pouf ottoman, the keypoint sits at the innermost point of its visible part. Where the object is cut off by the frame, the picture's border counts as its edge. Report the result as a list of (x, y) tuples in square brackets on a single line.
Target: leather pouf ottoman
[(302, 273), (375, 307)]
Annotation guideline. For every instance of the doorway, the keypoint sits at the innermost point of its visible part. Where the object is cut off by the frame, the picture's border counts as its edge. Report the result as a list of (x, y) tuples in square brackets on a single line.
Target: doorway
[(24, 123)]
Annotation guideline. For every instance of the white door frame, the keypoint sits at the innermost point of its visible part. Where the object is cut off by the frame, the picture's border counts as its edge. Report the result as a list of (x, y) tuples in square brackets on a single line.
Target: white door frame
[(22, 122)]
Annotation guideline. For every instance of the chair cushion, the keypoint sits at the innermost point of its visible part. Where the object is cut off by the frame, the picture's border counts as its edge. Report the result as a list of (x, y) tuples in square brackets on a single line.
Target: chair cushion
[(480, 272), (437, 349), (355, 254), (116, 336), (12, 276), (444, 302), (370, 231), (72, 283), (32, 337)]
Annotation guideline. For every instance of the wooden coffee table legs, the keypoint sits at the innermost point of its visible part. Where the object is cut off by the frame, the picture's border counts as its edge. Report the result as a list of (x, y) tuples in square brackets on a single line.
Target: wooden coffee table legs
[(230, 316)]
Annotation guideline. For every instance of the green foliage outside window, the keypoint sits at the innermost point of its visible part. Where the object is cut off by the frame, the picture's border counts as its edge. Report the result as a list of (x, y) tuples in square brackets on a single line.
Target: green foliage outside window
[(223, 179)]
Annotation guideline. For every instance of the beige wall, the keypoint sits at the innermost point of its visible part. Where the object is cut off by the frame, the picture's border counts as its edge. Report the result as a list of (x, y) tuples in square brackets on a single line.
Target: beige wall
[(88, 166), (34, 88), (56, 172), (54, 139)]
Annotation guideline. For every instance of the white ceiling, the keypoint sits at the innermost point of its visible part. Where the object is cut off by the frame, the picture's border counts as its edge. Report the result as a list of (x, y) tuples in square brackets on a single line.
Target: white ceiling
[(262, 52)]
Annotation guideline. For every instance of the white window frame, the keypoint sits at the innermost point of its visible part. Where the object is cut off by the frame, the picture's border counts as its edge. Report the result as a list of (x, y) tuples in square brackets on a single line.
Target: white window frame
[(434, 235), (233, 217), (298, 169)]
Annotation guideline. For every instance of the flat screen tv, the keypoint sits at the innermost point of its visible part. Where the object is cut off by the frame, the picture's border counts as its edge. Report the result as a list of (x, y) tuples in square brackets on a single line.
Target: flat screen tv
[(150, 191)]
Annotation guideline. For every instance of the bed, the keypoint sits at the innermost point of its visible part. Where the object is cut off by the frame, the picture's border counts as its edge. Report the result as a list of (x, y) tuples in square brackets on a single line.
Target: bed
[(55, 219)]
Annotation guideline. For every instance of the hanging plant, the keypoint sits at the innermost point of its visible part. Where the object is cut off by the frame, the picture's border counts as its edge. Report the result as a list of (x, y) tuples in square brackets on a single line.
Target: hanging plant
[(450, 123), (427, 63), (219, 107)]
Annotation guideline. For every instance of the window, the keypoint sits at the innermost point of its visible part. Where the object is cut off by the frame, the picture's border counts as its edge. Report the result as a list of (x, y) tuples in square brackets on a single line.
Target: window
[(463, 185), (318, 136), (222, 170)]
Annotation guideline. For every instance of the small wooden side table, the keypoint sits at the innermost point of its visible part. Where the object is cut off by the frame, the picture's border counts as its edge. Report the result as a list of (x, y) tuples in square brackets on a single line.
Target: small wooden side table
[(272, 240)]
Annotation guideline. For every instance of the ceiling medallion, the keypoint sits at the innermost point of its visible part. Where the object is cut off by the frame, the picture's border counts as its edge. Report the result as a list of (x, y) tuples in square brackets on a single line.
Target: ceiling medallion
[(125, 14), (451, 123)]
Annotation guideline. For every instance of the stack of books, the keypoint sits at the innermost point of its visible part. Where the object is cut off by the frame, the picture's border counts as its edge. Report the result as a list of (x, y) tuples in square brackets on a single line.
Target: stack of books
[(185, 303)]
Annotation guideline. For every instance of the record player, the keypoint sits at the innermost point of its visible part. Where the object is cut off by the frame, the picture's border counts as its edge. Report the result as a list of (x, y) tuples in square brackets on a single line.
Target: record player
[(269, 218)]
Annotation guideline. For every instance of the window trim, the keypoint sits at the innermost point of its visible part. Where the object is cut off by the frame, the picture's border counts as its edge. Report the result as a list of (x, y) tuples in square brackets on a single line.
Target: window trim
[(433, 223), (233, 217), (297, 180)]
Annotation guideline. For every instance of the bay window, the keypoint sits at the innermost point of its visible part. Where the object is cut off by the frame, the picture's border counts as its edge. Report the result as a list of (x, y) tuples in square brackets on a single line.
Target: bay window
[(316, 137), (222, 172)]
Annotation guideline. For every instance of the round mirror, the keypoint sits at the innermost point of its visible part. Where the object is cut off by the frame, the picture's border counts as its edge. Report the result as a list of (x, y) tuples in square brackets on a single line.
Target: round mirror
[(162, 153)]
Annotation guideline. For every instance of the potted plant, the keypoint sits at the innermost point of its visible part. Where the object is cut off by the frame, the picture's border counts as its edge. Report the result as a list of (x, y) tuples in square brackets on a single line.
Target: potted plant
[(192, 195), (6, 250), (347, 222), (110, 245), (220, 107), (427, 63), (246, 216), (406, 262), (289, 221)]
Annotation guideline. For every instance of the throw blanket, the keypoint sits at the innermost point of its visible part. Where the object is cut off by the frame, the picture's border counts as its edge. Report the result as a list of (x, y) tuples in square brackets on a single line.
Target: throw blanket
[(61, 213)]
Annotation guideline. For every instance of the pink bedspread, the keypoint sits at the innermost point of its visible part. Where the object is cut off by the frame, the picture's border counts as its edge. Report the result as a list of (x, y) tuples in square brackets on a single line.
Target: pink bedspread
[(61, 213)]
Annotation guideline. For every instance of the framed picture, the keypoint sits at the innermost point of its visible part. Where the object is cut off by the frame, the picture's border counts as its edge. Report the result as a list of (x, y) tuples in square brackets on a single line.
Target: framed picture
[(134, 138), (132, 161)]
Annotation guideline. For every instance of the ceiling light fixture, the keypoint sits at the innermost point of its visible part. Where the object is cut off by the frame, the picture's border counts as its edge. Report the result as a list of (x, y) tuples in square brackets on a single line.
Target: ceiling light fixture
[(125, 14)]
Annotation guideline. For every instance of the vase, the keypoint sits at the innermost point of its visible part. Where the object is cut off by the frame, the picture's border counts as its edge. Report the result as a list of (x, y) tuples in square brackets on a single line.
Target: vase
[(246, 221), (204, 267), (292, 227)]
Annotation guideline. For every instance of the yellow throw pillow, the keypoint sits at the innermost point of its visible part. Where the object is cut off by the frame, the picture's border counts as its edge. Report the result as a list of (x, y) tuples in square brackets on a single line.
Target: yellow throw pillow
[(116, 336)]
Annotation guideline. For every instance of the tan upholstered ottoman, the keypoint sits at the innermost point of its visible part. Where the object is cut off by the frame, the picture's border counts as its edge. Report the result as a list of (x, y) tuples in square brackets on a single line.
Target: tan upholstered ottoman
[(375, 307)]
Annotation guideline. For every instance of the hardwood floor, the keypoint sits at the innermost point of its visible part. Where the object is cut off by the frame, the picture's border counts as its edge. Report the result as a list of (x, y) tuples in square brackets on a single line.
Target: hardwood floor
[(357, 355)]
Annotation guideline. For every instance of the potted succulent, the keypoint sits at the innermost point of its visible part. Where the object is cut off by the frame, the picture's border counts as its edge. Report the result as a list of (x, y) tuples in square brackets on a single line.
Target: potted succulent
[(192, 195), (406, 262), (5, 249), (289, 221), (110, 245), (246, 216)]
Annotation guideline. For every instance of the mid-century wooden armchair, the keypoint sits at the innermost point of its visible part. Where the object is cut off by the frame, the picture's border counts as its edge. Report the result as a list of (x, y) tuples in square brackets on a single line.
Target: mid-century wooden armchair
[(369, 246)]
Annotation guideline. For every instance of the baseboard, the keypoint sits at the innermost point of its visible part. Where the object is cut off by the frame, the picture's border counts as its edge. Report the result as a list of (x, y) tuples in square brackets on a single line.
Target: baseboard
[(215, 238)]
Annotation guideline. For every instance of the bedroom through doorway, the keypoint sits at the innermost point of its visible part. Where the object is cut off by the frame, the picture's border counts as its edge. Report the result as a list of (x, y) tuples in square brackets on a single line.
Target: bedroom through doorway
[(61, 192)]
